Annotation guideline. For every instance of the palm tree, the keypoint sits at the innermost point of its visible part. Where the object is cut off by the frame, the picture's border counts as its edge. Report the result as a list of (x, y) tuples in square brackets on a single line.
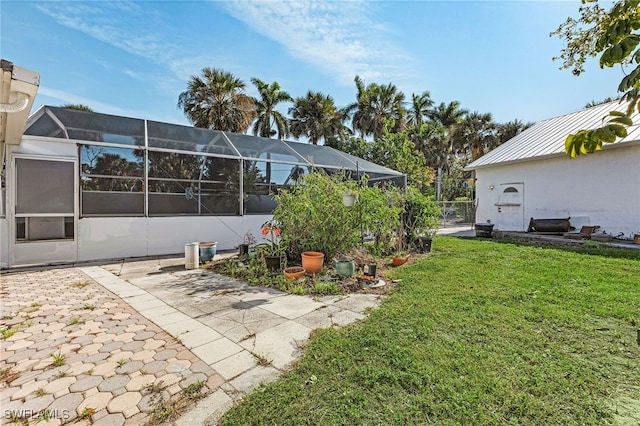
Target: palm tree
[(510, 129), (475, 135), (375, 105), (420, 105), (359, 121), (448, 116), (217, 101), (267, 116), (316, 117)]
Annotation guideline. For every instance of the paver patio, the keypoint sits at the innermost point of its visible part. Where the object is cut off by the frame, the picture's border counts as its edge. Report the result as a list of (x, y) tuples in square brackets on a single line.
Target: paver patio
[(129, 332)]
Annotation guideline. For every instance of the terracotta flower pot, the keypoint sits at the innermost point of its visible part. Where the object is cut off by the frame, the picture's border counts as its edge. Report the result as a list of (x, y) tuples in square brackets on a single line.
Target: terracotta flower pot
[(399, 260), (294, 272), (312, 261)]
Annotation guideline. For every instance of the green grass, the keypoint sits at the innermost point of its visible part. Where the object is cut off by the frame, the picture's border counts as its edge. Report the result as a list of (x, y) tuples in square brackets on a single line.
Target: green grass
[(479, 333), (58, 359)]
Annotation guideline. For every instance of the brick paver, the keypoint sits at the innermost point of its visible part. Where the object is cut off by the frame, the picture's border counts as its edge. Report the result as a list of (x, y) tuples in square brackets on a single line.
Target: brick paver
[(109, 352)]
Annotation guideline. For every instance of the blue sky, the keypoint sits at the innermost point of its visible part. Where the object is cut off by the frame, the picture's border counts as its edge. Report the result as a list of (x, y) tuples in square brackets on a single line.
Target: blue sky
[(134, 58)]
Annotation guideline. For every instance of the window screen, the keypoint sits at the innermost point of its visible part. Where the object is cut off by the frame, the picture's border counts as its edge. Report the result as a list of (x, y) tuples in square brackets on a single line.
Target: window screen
[(44, 186)]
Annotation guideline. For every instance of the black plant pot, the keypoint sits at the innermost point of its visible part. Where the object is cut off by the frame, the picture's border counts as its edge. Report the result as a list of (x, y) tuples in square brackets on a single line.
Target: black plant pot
[(422, 244), (484, 230), (273, 263), (243, 249)]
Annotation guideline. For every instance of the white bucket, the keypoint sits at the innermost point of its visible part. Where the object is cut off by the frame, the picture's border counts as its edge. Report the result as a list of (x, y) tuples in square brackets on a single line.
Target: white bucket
[(191, 256)]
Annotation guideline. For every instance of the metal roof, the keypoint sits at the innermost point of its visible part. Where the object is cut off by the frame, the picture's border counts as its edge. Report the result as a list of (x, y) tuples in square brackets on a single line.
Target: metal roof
[(547, 137)]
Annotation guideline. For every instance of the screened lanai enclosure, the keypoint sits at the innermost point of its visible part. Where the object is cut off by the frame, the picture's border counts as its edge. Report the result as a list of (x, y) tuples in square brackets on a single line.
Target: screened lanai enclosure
[(87, 186)]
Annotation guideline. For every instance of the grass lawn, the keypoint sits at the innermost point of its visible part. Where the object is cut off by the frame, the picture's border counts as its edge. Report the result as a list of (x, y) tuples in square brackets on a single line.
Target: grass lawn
[(478, 333)]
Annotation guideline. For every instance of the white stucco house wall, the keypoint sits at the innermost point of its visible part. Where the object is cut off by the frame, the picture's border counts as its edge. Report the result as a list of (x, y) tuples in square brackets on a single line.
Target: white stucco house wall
[(530, 176)]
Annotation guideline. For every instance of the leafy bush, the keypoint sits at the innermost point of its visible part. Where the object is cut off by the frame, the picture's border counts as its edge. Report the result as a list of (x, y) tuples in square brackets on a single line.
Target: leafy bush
[(381, 213), (420, 218), (313, 217)]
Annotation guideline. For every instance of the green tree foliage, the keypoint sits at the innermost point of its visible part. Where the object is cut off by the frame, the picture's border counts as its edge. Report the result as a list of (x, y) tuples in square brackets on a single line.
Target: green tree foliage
[(457, 183), (316, 117), (312, 217), (216, 100), (174, 169), (425, 137), (396, 151), (420, 107), (350, 144), (375, 104), (614, 35), (270, 122), (604, 101), (508, 130), (78, 107), (475, 135), (420, 217)]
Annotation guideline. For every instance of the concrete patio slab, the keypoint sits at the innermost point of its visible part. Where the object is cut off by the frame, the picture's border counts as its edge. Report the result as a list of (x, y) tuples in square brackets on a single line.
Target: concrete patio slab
[(291, 306), (279, 345)]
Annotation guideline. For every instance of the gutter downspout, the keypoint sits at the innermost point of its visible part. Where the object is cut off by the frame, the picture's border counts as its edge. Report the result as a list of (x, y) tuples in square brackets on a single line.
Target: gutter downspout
[(18, 105)]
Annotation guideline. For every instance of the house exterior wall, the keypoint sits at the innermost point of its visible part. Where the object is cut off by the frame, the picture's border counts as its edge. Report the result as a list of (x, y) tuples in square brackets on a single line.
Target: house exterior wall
[(4, 243), (121, 237), (600, 189)]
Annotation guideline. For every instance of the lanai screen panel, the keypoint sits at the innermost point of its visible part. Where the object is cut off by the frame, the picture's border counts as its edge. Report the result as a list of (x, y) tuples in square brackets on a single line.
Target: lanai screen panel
[(253, 147), (184, 138), (321, 156), (132, 167), (87, 126)]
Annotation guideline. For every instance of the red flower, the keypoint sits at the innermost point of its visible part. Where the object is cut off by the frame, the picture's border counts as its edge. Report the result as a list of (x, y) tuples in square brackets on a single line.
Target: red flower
[(276, 232), (265, 230)]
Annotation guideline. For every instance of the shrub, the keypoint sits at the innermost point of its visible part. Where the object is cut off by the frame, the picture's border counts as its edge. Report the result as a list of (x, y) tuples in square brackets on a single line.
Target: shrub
[(313, 217), (421, 216)]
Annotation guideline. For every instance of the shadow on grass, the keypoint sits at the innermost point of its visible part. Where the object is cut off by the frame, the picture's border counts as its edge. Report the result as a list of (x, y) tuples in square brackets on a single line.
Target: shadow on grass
[(587, 247)]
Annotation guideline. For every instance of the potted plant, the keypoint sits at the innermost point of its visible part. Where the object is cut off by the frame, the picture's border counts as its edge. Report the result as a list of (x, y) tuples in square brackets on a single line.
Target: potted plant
[(345, 267), (247, 241), (272, 250), (400, 258)]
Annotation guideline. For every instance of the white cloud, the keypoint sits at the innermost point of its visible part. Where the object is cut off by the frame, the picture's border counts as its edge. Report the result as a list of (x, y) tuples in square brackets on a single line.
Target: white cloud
[(339, 37), (119, 24)]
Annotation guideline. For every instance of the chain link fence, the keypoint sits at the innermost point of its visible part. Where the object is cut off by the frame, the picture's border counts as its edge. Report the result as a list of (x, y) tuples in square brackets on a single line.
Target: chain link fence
[(457, 213)]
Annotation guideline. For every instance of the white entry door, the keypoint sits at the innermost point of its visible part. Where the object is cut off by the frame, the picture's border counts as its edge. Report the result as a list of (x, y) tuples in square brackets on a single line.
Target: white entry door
[(511, 207), (43, 214)]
